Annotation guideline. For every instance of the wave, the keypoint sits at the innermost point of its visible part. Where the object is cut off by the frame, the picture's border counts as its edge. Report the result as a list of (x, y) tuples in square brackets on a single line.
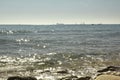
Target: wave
[(14, 31)]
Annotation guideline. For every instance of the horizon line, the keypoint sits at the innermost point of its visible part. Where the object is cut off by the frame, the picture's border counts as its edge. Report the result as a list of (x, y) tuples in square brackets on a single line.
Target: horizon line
[(67, 24)]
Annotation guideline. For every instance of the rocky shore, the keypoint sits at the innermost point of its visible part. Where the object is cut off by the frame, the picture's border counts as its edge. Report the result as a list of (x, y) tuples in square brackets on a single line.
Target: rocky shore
[(108, 73), (54, 66)]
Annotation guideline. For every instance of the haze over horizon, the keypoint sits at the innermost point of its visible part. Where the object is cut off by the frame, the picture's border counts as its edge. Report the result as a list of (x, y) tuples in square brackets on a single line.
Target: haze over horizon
[(59, 11)]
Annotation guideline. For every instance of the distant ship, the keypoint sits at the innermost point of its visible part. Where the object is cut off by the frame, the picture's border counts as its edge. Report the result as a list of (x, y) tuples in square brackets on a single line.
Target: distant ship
[(60, 24), (95, 24)]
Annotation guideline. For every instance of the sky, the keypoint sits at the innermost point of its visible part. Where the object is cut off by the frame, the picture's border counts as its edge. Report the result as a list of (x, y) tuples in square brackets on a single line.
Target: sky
[(59, 11)]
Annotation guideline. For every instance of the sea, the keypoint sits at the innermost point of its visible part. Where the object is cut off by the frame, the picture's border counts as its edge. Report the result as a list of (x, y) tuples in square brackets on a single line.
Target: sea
[(68, 46), (43, 39)]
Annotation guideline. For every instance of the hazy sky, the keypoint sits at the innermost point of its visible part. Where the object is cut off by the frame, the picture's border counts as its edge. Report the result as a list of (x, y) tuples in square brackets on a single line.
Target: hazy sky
[(59, 11)]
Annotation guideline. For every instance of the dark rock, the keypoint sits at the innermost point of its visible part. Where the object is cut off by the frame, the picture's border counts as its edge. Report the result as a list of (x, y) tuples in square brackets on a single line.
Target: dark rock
[(29, 78), (84, 78), (14, 78), (69, 78), (110, 68), (47, 71), (75, 78), (21, 78), (63, 71)]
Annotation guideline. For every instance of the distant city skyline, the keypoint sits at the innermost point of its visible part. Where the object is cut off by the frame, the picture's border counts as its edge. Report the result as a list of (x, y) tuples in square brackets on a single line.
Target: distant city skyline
[(59, 11)]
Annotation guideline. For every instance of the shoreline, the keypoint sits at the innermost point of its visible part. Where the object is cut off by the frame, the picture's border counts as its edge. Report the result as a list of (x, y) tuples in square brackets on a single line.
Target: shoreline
[(52, 66), (108, 73)]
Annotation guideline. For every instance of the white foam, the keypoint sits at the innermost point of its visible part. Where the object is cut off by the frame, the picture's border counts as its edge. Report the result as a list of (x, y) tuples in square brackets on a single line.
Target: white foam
[(52, 53)]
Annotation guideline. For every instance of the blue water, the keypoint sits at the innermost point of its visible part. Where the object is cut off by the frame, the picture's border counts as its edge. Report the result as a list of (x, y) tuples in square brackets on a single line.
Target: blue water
[(43, 39)]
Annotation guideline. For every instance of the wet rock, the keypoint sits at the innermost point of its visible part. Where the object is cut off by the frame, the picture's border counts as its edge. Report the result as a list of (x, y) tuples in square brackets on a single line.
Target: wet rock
[(75, 78), (14, 78), (29, 78), (84, 78), (21, 78), (69, 78), (110, 68), (63, 71), (108, 73)]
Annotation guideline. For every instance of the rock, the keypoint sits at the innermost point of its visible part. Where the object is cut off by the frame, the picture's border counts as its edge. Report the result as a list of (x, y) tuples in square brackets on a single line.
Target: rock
[(107, 77), (29, 78), (21, 78), (63, 71), (110, 68), (84, 78), (14, 78), (69, 78), (75, 78)]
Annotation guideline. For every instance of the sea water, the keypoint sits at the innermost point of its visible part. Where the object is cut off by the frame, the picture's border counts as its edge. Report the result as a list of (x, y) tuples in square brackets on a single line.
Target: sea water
[(68, 46), (42, 39)]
